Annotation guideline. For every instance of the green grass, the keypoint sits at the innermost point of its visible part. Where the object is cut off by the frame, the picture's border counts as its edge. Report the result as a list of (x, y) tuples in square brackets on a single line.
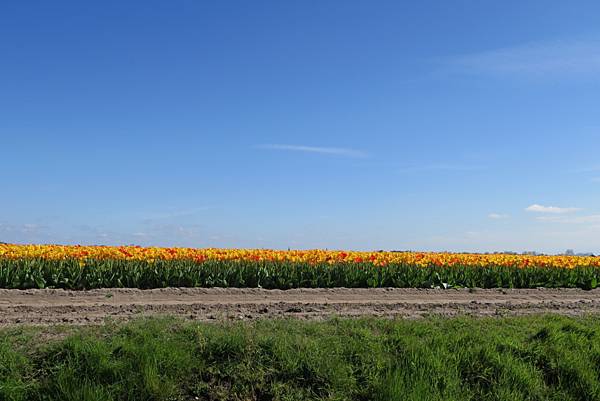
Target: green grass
[(38, 273), (534, 358)]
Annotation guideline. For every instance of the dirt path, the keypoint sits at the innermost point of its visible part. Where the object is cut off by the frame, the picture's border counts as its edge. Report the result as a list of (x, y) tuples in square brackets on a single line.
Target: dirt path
[(85, 307)]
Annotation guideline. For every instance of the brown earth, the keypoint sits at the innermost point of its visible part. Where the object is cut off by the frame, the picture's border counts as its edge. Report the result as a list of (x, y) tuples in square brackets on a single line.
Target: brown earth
[(206, 304)]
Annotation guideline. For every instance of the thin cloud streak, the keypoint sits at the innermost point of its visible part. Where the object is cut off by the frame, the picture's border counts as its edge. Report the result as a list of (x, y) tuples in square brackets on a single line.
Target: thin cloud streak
[(315, 149), (176, 213), (589, 169), (591, 219), (573, 58), (27, 228), (550, 209), (498, 216)]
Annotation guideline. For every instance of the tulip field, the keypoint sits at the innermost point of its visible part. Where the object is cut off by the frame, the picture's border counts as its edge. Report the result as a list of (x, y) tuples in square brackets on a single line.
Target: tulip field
[(151, 328), (86, 267)]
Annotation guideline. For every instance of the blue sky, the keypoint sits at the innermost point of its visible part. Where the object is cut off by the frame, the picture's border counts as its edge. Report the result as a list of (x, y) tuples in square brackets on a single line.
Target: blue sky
[(463, 126)]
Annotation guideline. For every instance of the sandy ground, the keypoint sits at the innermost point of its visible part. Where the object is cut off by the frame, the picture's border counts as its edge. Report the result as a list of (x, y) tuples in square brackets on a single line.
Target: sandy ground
[(207, 304)]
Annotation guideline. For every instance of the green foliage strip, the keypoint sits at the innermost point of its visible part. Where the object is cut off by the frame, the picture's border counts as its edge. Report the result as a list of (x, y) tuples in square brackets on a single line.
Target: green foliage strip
[(72, 274)]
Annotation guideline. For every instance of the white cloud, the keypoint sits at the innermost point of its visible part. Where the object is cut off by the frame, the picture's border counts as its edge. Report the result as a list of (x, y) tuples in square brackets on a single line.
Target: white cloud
[(498, 216), (314, 149), (574, 58), (140, 234), (27, 228), (170, 231), (551, 209)]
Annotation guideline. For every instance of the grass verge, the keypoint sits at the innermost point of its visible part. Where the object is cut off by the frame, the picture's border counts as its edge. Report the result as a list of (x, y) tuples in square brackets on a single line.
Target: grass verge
[(524, 358)]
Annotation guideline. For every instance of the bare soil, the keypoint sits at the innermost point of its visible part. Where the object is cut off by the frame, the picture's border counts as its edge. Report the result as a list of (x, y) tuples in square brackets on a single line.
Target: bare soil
[(207, 304)]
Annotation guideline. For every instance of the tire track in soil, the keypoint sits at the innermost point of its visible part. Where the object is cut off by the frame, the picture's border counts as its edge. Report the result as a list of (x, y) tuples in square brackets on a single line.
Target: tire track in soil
[(48, 306)]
